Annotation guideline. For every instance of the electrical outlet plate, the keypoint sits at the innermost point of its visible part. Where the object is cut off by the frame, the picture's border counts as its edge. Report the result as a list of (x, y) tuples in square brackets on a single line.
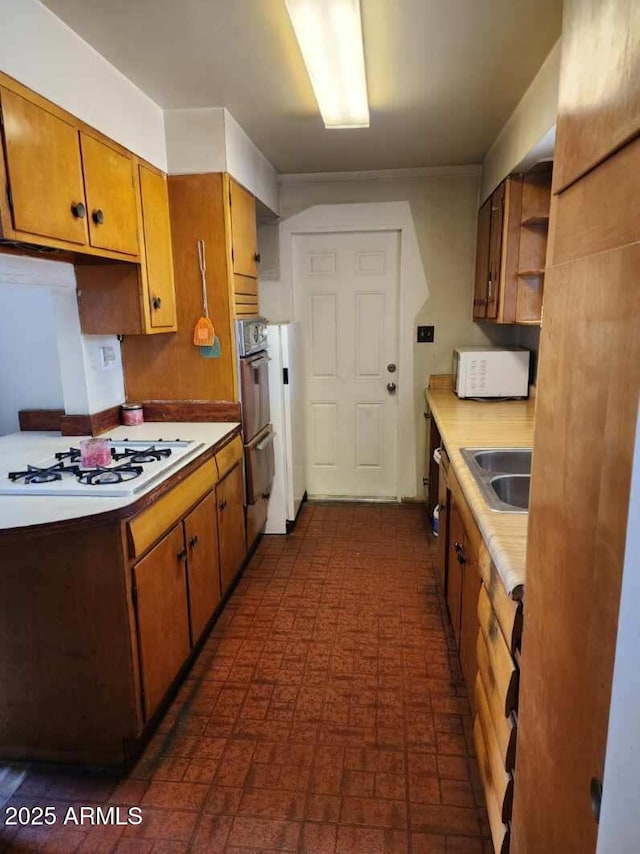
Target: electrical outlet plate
[(426, 334), (107, 358)]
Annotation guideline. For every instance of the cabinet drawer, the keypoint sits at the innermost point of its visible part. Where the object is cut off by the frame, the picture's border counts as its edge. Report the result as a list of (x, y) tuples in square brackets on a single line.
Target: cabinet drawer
[(500, 781), (504, 670), (506, 730), (229, 456), (507, 610), (500, 833), (143, 530)]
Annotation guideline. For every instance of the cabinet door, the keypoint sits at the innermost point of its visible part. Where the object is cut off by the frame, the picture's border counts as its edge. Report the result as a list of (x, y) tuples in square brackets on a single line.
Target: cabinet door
[(201, 532), (157, 242), (495, 251), (599, 95), (584, 439), (111, 197), (482, 260), (44, 171), (243, 231), (444, 499), (162, 616), (454, 568), (469, 624), (231, 526)]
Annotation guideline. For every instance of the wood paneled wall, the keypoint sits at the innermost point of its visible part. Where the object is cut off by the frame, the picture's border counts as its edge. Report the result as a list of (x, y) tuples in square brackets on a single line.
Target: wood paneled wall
[(170, 366)]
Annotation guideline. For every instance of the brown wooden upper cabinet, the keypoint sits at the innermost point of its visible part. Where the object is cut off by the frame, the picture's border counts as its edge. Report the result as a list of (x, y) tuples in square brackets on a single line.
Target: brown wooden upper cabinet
[(111, 197), (65, 188), (44, 173), (511, 249), (599, 94), (481, 291), (160, 288), (244, 239)]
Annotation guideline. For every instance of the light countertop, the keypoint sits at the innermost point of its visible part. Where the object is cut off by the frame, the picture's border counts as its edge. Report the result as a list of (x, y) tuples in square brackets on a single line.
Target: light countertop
[(487, 424), (19, 449)]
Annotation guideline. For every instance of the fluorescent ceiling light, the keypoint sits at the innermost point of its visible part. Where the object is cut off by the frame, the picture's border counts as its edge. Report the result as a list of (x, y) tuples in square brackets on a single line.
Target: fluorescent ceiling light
[(329, 33)]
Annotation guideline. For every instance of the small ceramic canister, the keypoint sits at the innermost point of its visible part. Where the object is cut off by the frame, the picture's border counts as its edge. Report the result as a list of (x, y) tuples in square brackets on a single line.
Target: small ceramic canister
[(132, 414)]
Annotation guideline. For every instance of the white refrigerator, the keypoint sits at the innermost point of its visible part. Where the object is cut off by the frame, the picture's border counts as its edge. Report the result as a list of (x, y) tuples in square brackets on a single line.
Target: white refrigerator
[(286, 397)]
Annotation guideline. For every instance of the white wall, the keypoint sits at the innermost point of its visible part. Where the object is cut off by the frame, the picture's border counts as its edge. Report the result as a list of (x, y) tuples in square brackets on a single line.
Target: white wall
[(30, 375), (45, 361), (619, 829), (443, 204), (249, 166), (195, 141), (530, 125), (211, 140), (42, 52)]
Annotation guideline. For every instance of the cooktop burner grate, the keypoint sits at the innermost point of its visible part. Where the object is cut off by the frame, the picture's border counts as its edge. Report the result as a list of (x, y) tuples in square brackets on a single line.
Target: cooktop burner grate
[(37, 474), (101, 475), (146, 455)]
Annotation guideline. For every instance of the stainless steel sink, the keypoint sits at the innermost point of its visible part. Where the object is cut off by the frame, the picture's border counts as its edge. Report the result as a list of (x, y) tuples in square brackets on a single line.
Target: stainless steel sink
[(512, 461), (512, 489), (503, 476)]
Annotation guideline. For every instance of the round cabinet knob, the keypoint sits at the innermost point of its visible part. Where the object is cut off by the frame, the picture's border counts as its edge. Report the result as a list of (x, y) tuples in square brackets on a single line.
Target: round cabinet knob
[(157, 303), (182, 554), (391, 388), (78, 210), (457, 547), (98, 217), (391, 367), (596, 797), (256, 257), (193, 542)]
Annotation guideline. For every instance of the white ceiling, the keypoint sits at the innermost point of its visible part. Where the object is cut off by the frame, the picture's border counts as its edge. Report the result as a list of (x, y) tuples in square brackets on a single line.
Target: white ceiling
[(443, 75)]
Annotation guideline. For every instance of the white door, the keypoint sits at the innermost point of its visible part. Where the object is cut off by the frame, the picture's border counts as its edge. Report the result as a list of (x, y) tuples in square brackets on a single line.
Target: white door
[(346, 293)]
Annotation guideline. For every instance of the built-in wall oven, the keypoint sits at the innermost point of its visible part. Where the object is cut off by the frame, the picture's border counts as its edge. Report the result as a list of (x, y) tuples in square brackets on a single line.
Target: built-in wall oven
[(251, 337)]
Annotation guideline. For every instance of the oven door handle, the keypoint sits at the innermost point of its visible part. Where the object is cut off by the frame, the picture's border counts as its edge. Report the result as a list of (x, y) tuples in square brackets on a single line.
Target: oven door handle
[(258, 363), (266, 441)]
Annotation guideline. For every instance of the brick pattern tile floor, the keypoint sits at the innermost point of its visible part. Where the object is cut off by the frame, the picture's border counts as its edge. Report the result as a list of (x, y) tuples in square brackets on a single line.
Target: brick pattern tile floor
[(326, 713)]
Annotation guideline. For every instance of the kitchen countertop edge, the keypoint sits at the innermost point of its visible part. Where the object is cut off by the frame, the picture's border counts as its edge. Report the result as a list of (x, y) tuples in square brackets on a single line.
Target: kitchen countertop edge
[(130, 507), (500, 532)]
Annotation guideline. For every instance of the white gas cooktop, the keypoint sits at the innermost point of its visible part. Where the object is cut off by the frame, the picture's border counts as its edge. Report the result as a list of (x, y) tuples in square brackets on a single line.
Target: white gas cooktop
[(134, 467)]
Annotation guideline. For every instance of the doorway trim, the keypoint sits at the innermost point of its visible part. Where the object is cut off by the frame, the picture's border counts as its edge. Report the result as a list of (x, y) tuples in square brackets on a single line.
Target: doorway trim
[(413, 290)]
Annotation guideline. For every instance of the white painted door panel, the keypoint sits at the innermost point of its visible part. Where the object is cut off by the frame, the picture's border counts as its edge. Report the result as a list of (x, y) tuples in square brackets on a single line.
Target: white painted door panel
[(348, 287)]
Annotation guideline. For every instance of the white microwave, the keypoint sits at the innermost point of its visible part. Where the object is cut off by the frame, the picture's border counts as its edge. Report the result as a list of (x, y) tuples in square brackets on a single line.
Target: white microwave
[(491, 372)]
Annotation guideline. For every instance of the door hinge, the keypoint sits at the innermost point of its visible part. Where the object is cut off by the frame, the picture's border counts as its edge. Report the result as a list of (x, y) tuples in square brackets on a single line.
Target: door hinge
[(229, 196), (9, 197), (134, 593), (285, 376), (1, 118), (232, 254)]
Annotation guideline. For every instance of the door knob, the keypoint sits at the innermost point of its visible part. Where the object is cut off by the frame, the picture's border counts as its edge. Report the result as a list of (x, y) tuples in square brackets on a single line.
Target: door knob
[(78, 210), (98, 217), (391, 388), (391, 368)]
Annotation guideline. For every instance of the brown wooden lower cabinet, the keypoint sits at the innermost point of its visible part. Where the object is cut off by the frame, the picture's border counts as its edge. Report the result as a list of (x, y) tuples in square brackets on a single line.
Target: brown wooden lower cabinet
[(487, 626), (454, 568), (98, 618), (162, 614), (469, 624), (203, 565), (231, 525)]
